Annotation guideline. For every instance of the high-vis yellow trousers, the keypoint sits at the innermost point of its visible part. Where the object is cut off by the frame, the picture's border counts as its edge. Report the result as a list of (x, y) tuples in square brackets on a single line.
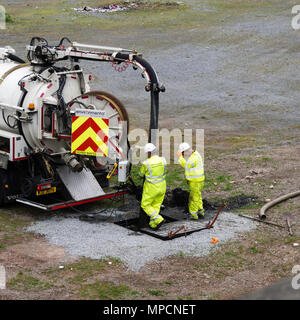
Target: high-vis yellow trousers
[(195, 197), (153, 197)]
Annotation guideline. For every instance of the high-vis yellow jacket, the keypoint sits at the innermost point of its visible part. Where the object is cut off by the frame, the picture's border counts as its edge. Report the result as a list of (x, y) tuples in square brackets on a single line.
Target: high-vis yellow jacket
[(154, 171), (194, 170)]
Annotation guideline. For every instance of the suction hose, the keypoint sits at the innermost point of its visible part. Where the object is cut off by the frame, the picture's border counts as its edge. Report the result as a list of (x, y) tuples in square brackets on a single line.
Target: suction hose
[(154, 89), (262, 213)]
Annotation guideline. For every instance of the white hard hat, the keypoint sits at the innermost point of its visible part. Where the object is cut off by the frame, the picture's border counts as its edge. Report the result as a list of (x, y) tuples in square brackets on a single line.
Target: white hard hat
[(184, 147), (149, 147)]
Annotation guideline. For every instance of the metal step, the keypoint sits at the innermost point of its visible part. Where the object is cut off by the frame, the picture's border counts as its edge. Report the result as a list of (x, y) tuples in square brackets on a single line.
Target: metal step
[(52, 204), (81, 185)]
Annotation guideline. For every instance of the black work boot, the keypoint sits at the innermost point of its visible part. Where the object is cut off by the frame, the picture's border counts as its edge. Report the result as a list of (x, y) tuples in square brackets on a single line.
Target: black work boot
[(159, 225), (143, 219), (201, 214)]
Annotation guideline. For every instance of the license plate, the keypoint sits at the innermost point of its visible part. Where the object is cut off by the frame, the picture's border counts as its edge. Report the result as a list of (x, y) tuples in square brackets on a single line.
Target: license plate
[(42, 192)]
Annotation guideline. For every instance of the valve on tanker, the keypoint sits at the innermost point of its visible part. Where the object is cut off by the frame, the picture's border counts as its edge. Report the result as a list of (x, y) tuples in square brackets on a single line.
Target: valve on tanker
[(72, 162)]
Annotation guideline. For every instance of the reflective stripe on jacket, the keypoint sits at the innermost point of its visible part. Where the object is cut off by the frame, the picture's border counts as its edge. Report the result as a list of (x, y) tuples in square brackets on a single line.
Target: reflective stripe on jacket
[(194, 170), (154, 169)]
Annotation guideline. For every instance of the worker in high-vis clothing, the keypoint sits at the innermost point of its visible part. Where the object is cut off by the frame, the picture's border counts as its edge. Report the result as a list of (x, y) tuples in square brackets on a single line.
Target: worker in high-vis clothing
[(153, 171), (194, 175)]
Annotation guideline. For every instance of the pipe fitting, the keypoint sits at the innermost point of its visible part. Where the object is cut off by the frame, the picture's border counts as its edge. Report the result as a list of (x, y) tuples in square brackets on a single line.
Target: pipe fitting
[(72, 162)]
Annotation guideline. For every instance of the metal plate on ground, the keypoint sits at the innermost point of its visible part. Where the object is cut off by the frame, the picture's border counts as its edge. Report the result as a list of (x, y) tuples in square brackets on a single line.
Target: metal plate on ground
[(175, 219), (163, 232), (81, 185)]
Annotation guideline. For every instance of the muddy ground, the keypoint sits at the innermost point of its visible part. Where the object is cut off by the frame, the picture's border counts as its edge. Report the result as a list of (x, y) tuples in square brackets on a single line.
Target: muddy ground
[(229, 67)]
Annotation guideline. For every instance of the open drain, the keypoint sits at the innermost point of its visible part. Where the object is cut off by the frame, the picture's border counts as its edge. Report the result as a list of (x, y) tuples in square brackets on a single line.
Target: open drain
[(175, 225)]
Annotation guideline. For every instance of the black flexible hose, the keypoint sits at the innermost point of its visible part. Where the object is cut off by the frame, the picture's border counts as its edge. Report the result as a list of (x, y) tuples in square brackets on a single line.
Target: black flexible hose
[(63, 39), (154, 90), (15, 58), (62, 103)]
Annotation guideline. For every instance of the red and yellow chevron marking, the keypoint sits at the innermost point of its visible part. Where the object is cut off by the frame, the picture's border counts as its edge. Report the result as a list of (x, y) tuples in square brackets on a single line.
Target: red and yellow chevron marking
[(89, 136)]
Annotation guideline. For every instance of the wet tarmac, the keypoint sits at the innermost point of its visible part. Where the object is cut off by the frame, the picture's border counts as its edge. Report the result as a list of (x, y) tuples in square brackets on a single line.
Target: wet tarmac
[(281, 290)]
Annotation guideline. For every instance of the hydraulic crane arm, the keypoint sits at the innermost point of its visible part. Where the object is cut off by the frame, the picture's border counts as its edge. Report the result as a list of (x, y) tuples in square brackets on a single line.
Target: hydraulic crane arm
[(41, 54)]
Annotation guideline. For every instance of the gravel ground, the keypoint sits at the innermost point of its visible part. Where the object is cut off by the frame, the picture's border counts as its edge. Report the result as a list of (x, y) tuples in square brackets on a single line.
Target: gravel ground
[(134, 249)]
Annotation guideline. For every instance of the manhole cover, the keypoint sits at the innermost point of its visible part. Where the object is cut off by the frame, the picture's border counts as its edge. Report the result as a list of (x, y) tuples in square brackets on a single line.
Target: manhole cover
[(175, 225)]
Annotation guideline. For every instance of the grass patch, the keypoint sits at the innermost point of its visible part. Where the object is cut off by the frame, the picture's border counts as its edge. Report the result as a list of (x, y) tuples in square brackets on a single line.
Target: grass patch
[(56, 17), (180, 254), (60, 14), (292, 239), (11, 227), (204, 118), (82, 278), (82, 271), (86, 267), (221, 263), (9, 222), (157, 293), (175, 176), (25, 282), (9, 18), (214, 296), (104, 290), (215, 180), (240, 140), (248, 160), (255, 250), (263, 160), (226, 144)]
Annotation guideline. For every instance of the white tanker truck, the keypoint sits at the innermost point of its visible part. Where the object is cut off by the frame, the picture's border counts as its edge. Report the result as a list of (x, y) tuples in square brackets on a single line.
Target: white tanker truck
[(60, 142)]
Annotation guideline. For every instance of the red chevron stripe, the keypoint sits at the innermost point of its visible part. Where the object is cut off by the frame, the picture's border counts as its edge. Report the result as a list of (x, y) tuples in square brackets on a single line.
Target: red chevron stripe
[(74, 118), (90, 123), (82, 128), (88, 143)]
